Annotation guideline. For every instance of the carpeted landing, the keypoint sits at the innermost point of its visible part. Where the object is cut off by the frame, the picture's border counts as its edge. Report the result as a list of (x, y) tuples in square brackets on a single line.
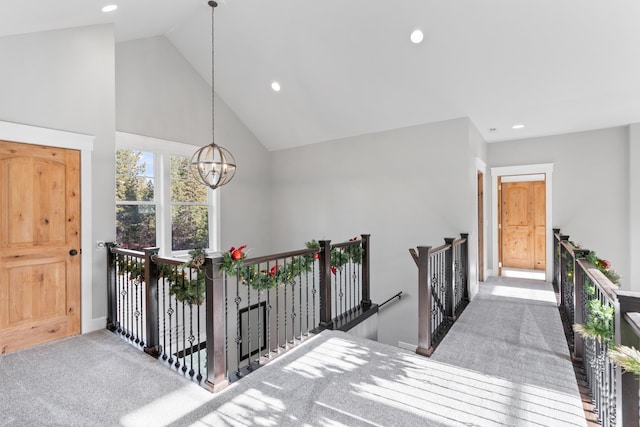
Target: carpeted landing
[(505, 362)]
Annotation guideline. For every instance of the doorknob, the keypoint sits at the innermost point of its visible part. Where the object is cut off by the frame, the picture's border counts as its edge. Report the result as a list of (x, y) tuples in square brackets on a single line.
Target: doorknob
[(73, 252)]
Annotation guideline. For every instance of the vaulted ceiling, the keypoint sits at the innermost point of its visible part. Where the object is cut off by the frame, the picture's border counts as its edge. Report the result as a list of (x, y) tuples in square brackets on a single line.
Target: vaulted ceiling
[(347, 67)]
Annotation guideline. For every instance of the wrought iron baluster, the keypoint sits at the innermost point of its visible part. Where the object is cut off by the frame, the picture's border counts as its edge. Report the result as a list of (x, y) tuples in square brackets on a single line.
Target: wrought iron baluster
[(306, 294), (121, 293), (335, 292), (191, 338), (268, 322), (163, 311), (277, 346), (348, 287), (184, 333), (128, 296), (293, 306), (136, 312), (341, 313), (314, 291), (359, 281), (260, 327), (249, 326), (170, 311), (300, 294), (284, 303)]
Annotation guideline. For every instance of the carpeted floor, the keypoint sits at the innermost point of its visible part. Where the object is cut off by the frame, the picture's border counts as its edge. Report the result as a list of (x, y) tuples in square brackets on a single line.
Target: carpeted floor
[(503, 363)]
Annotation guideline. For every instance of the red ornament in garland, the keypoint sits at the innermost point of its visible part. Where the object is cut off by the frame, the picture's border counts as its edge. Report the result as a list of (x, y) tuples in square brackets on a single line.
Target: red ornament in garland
[(236, 253)]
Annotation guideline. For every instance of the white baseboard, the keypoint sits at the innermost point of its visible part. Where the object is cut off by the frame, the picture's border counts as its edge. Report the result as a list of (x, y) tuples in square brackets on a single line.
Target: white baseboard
[(94, 325), (407, 346)]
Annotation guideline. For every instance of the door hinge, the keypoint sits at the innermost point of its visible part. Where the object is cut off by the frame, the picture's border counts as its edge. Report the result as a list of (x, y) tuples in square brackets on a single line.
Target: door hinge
[(500, 187), (499, 226), (500, 264)]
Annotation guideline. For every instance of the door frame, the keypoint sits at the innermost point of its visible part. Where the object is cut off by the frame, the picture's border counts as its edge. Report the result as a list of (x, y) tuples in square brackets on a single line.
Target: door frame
[(481, 167), (542, 168), (14, 132)]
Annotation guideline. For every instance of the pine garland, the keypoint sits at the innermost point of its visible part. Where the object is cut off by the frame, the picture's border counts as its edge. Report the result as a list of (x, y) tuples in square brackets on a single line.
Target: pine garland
[(628, 358), (604, 266), (182, 285), (233, 265), (599, 325)]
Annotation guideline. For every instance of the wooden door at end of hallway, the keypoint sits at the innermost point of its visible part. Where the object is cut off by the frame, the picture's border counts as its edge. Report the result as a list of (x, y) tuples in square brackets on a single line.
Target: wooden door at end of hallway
[(522, 225), (39, 244)]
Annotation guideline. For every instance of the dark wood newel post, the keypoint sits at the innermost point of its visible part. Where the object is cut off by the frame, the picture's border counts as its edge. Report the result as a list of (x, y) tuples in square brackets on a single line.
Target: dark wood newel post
[(112, 310), (629, 405), (325, 284), (578, 309), (366, 286), (424, 302), (556, 258), (563, 270), (450, 278), (152, 346), (215, 302), (465, 266)]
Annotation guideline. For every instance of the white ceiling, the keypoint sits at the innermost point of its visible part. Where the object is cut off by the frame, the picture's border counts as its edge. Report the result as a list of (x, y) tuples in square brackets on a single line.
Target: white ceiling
[(347, 67)]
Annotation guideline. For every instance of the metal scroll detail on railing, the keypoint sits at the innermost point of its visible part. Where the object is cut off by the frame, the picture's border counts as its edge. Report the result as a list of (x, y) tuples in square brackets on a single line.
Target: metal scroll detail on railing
[(215, 328), (442, 290), (600, 371), (588, 299)]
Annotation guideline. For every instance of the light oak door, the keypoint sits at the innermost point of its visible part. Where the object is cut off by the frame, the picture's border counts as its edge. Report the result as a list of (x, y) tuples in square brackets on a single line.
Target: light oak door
[(522, 224), (39, 244)]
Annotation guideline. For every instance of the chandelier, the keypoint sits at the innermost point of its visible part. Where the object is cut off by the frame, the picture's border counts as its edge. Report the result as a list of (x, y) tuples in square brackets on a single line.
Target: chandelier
[(213, 165)]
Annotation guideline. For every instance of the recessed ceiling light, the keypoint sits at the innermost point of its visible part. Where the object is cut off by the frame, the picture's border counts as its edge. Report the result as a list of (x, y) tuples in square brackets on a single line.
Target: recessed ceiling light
[(416, 37), (110, 8), (275, 86), (517, 126)]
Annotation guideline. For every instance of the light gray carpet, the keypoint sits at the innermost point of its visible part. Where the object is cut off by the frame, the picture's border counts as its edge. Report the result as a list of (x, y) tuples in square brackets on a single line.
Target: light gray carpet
[(490, 370)]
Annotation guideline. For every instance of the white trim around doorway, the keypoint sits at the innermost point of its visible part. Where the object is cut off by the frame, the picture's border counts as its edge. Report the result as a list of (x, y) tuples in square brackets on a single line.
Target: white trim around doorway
[(543, 168), (15, 132)]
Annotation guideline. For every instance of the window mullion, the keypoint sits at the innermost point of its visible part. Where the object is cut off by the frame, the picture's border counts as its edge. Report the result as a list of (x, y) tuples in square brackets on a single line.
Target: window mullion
[(163, 206)]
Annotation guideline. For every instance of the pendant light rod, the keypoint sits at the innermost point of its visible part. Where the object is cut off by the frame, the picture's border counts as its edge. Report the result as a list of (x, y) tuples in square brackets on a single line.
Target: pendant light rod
[(213, 165), (213, 5)]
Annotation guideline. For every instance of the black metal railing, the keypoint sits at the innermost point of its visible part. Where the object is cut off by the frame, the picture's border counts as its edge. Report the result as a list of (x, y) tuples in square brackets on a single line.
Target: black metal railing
[(586, 296), (390, 299), (271, 304), (594, 352), (442, 290), (216, 324)]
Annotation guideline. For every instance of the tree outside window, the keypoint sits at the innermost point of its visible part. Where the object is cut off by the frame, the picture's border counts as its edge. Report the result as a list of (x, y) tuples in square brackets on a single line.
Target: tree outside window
[(189, 209), (135, 199)]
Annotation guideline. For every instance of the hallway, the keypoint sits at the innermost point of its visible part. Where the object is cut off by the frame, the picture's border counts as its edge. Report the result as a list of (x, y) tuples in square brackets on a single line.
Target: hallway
[(505, 362)]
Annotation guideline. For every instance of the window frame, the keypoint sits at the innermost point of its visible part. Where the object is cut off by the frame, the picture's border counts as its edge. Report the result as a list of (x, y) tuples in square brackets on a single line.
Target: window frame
[(163, 150)]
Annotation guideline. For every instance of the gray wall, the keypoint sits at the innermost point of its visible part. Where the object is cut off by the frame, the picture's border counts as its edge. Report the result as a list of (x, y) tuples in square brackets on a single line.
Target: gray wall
[(634, 206), (71, 79), (590, 186), (159, 94), (406, 187), (65, 80)]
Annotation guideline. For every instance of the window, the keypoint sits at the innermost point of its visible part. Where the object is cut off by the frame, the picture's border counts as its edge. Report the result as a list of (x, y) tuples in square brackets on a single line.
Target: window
[(189, 208), (157, 201), (135, 199)]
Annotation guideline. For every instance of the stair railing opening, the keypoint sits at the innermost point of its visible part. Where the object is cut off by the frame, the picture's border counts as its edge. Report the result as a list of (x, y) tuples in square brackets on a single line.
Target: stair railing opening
[(442, 289), (217, 322)]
